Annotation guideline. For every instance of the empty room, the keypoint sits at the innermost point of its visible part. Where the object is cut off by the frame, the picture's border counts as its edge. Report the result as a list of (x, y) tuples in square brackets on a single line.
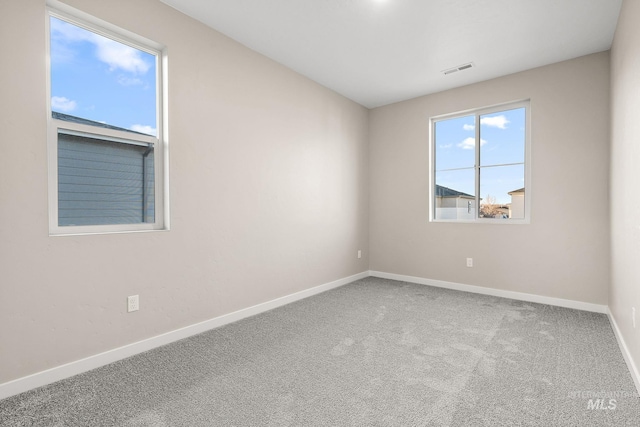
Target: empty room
[(319, 213)]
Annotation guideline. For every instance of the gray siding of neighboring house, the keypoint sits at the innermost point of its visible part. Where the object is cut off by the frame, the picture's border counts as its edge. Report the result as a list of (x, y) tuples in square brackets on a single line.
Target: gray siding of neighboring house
[(102, 182)]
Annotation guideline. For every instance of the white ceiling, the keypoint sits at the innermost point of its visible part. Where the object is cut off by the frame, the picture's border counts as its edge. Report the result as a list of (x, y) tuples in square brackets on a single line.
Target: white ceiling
[(377, 52)]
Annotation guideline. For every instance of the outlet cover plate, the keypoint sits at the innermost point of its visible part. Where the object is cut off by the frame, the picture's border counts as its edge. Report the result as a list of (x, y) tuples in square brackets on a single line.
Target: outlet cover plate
[(133, 303)]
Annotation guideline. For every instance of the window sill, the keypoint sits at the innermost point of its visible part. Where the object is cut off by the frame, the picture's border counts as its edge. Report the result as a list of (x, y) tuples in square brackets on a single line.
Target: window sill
[(93, 233), (483, 221)]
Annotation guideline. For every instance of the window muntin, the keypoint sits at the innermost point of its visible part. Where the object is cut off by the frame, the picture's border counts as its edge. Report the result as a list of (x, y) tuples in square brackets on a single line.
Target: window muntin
[(106, 161), (479, 165)]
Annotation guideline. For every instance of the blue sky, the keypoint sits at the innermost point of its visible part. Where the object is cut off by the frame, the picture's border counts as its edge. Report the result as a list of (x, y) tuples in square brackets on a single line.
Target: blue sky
[(99, 79), (502, 141)]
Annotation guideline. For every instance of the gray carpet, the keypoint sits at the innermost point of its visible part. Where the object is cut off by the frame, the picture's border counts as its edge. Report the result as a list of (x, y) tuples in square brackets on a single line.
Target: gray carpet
[(373, 353)]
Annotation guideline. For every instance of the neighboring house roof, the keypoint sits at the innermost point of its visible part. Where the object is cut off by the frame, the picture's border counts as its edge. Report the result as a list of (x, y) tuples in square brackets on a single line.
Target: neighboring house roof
[(448, 192), (80, 120), (519, 190)]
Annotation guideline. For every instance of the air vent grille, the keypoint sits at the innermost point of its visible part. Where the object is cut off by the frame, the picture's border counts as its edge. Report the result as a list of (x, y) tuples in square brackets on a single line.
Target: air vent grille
[(458, 68)]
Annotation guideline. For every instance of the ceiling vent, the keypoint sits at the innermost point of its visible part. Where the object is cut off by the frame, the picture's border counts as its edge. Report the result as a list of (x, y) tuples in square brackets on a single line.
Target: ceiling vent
[(458, 68)]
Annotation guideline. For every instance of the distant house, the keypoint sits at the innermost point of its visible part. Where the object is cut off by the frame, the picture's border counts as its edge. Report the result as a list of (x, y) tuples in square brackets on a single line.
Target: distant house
[(122, 192), (454, 204), (516, 208)]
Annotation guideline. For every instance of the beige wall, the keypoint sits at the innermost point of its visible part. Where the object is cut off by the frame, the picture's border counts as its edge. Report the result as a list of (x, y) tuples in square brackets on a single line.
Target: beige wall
[(564, 251), (624, 292), (269, 179)]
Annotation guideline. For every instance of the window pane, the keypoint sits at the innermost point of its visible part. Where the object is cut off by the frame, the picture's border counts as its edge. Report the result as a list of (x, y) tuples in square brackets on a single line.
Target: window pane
[(502, 192), (102, 80), (455, 194), (455, 143), (502, 137), (103, 182)]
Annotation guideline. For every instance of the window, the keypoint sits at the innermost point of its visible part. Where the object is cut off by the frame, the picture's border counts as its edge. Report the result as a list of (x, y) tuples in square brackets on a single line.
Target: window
[(480, 165), (107, 162)]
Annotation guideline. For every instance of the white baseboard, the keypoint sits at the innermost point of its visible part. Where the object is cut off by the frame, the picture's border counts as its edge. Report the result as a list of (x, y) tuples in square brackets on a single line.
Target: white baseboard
[(58, 373), (521, 296), (633, 369), (77, 367)]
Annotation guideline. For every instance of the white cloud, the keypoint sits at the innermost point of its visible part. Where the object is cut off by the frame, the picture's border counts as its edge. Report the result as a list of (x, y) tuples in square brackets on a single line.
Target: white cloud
[(129, 81), (119, 56), (499, 122), (146, 129), (63, 35), (468, 127), (60, 103), (470, 143), (445, 146), (113, 53)]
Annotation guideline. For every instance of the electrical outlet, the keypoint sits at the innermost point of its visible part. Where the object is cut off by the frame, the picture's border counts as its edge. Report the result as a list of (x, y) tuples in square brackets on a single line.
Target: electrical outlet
[(469, 262), (633, 316), (359, 253), (133, 303)]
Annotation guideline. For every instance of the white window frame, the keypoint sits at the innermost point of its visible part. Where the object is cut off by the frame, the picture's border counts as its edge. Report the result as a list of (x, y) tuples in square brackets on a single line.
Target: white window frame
[(160, 143), (477, 112)]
